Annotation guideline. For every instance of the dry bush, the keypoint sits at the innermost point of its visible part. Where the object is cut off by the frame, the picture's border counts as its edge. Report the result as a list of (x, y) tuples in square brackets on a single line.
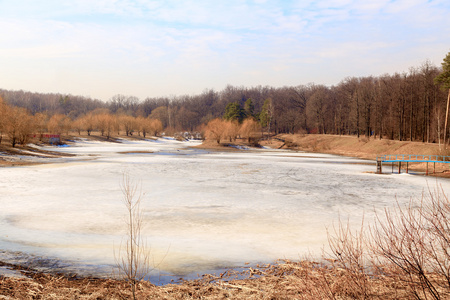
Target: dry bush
[(350, 255), (414, 243), (364, 139), (406, 252)]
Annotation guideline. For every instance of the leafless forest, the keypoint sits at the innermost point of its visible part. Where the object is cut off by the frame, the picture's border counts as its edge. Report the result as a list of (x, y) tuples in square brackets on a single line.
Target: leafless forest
[(402, 106)]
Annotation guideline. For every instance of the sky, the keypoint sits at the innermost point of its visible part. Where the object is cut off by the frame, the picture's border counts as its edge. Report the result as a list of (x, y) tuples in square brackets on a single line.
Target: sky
[(181, 47)]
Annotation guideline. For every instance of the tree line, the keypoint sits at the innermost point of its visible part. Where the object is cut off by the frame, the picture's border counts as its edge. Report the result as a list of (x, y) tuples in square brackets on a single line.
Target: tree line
[(406, 106), (20, 126)]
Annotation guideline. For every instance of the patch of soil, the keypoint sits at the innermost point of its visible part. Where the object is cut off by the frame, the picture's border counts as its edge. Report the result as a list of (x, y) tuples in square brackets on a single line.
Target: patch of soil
[(237, 145), (135, 152)]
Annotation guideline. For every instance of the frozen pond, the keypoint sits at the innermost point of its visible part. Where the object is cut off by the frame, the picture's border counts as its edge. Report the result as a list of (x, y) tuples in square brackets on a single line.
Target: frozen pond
[(203, 210)]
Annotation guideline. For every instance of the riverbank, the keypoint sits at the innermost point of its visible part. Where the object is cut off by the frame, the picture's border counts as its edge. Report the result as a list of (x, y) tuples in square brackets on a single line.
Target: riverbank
[(351, 146), (282, 280), (364, 148)]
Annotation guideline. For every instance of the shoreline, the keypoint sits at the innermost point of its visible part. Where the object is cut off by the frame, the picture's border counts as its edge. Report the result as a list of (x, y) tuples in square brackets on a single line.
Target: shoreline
[(365, 148), (349, 146)]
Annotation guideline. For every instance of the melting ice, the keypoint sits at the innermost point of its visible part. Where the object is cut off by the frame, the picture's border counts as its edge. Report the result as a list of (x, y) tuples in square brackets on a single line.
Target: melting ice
[(203, 210)]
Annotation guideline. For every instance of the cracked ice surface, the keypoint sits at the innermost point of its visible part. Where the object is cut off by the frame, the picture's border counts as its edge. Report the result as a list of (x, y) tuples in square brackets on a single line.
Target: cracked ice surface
[(203, 211)]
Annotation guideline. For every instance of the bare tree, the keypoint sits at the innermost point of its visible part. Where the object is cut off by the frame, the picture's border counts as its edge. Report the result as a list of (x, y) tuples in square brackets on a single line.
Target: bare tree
[(249, 129), (215, 130), (128, 123), (231, 130), (18, 125), (133, 259), (2, 117), (58, 124)]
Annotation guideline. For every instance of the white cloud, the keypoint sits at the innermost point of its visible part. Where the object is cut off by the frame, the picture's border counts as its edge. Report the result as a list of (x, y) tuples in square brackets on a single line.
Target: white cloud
[(212, 43)]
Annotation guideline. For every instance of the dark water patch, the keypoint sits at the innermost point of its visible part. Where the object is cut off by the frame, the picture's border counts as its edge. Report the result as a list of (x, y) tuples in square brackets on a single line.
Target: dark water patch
[(16, 263)]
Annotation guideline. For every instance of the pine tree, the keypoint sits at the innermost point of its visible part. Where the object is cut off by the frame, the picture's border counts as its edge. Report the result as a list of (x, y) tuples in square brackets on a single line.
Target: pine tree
[(234, 112), (444, 80), (266, 115), (249, 108)]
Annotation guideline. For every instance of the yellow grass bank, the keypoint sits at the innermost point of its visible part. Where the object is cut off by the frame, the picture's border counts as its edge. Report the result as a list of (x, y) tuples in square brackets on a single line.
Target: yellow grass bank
[(367, 148)]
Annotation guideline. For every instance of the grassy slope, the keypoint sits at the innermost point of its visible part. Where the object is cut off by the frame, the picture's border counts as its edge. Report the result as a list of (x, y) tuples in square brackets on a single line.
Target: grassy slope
[(365, 148)]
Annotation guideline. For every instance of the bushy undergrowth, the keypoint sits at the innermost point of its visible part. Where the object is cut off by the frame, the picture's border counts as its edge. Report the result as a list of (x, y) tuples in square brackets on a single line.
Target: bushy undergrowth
[(408, 246)]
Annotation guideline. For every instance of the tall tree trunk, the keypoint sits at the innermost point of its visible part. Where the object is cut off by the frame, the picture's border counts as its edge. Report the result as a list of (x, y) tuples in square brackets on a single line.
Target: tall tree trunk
[(357, 114), (446, 118)]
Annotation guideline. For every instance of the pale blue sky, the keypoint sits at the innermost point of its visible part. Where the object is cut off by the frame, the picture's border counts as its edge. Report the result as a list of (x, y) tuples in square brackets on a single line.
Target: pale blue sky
[(100, 48)]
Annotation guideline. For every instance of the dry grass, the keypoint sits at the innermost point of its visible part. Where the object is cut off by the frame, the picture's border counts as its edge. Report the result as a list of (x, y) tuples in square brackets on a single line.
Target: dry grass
[(362, 147), (367, 148), (283, 280)]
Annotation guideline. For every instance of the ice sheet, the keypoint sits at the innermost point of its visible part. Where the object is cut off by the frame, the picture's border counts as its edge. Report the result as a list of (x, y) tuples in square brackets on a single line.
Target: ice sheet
[(202, 210)]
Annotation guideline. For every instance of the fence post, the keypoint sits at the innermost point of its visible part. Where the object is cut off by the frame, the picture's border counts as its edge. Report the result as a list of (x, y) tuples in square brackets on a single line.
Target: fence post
[(379, 166)]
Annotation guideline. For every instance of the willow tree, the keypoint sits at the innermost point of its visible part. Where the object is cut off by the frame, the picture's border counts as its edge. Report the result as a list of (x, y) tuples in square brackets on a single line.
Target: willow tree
[(444, 80)]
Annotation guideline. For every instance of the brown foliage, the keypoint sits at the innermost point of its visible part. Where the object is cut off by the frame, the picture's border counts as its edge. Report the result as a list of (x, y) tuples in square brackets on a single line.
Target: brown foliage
[(18, 125), (215, 130), (127, 123), (156, 126), (415, 242), (230, 130), (148, 126), (106, 123), (408, 246), (59, 124), (249, 128), (86, 123)]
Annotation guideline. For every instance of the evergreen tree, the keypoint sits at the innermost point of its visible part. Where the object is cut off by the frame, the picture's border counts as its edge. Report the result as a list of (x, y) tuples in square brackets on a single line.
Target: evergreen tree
[(249, 108), (234, 112), (266, 114), (444, 80)]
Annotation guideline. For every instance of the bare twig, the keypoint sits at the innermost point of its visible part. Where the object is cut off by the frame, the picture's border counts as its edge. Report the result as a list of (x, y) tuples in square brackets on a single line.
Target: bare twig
[(133, 259)]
